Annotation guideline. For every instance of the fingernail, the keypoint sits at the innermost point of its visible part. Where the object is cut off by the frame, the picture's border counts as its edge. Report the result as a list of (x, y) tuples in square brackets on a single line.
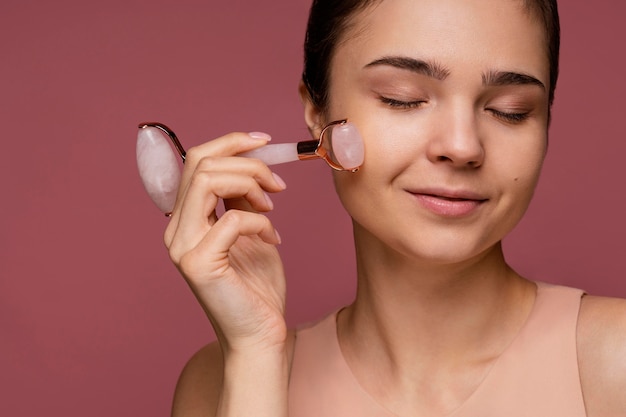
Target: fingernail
[(278, 236), (269, 201), (279, 181), (260, 136)]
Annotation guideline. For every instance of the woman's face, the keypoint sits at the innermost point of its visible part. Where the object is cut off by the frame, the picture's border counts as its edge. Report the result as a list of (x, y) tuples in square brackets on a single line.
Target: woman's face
[(451, 98)]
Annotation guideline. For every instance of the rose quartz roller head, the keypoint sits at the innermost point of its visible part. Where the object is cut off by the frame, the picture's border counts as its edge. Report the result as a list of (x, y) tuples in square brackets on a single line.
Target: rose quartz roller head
[(339, 144), (158, 165)]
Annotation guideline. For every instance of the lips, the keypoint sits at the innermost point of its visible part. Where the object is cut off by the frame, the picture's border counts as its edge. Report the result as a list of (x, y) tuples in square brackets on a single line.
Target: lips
[(449, 203)]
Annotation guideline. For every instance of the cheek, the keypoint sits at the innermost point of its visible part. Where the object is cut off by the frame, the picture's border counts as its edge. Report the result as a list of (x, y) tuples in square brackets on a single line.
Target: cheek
[(390, 147), (345, 187), (364, 191), (386, 157), (520, 174)]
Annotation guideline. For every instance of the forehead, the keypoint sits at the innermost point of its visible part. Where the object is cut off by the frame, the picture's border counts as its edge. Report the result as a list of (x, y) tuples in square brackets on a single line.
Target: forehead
[(498, 34)]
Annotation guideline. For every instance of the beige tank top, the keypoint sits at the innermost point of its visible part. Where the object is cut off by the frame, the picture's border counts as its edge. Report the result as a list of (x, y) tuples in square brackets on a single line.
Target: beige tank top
[(537, 376)]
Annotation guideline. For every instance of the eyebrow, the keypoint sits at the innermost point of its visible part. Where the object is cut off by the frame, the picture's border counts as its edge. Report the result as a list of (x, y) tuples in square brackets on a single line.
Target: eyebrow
[(430, 69), (438, 72), (502, 78)]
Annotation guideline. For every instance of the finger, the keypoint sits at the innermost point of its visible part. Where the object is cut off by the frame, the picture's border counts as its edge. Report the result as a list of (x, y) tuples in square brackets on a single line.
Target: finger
[(197, 213), (243, 166), (234, 177), (210, 258), (227, 145), (231, 226), (271, 184), (213, 167), (242, 204), (253, 168)]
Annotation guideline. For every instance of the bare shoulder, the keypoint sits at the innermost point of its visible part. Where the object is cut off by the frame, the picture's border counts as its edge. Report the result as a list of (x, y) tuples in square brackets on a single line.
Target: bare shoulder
[(602, 355), (200, 382)]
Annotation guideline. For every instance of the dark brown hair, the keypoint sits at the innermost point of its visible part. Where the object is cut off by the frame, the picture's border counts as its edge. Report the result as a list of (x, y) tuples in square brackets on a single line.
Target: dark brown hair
[(330, 19)]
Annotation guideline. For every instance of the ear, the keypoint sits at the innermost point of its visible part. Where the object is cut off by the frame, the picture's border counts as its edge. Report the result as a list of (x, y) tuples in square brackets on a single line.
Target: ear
[(312, 114)]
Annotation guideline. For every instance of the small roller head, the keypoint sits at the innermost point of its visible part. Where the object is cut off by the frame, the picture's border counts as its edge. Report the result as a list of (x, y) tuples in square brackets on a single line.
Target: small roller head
[(345, 146)]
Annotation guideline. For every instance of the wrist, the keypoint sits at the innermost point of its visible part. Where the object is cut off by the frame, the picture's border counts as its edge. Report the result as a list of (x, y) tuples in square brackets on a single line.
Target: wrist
[(249, 348), (255, 358)]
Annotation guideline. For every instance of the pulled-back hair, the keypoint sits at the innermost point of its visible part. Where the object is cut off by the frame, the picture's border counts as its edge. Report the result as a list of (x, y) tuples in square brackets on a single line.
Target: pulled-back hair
[(330, 19), (548, 12)]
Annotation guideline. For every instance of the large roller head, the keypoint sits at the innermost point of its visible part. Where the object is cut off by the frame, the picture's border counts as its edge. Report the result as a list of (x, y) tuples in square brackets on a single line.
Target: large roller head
[(159, 166)]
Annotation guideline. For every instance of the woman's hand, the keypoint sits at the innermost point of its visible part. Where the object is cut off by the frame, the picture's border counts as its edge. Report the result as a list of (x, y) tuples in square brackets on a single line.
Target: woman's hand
[(231, 263)]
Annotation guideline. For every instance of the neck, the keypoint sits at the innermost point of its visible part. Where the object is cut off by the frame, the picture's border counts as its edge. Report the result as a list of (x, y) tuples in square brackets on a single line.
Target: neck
[(415, 311), (424, 332)]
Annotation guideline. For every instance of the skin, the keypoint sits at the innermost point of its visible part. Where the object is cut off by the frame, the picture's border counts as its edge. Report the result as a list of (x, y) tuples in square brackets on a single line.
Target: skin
[(462, 129)]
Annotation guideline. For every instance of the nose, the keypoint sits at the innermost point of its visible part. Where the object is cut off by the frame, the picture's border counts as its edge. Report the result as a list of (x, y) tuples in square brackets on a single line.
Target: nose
[(457, 141)]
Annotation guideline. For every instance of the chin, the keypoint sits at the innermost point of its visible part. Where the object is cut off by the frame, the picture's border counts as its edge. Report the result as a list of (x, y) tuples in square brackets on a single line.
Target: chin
[(428, 248), (449, 254)]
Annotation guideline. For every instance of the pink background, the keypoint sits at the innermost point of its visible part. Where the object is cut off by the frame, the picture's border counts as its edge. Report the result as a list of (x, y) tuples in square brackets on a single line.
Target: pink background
[(94, 320)]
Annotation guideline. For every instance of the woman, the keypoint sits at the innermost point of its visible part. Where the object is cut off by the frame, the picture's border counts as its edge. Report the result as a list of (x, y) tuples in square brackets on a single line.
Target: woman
[(452, 99)]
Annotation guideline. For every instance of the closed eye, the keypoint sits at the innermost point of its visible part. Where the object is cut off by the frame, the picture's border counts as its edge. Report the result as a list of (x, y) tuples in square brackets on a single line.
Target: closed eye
[(401, 104), (510, 117)]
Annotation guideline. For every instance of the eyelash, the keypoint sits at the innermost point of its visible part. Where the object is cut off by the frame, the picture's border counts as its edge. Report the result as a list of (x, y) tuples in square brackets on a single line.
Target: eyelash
[(510, 117), (507, 117), (399, 104)]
